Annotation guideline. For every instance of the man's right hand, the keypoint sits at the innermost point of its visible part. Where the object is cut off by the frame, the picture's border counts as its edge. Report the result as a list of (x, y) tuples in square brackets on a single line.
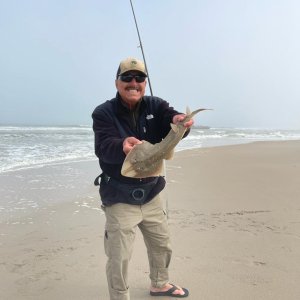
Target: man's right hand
[(129, 143)]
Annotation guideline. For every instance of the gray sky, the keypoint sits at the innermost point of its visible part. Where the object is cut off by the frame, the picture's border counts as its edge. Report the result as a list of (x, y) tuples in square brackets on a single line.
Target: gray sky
[(58, 58)]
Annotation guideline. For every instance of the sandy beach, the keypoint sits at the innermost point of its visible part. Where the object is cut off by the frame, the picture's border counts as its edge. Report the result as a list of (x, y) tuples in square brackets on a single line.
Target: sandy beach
[(234, 215)]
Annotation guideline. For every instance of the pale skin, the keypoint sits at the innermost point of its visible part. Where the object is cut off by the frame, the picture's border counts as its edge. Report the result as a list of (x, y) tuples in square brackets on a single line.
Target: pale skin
[(131, 93)]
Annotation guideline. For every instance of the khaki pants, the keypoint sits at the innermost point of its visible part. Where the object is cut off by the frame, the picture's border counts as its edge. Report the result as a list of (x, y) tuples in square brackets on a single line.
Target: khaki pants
[(121, 223)]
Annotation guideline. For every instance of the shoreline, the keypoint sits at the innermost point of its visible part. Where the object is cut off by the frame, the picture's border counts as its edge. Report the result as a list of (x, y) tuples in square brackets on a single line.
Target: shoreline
[(182, 146), (233, 212)]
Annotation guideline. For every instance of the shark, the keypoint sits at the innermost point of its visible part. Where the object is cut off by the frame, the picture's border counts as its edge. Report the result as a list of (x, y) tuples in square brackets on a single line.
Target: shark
[(146, 159)]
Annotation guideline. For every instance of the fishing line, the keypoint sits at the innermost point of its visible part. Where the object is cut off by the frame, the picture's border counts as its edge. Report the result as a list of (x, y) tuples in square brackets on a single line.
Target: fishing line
[(142, 49)]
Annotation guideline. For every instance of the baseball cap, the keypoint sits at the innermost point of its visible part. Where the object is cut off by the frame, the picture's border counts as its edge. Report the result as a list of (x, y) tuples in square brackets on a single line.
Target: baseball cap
[(131, 64)]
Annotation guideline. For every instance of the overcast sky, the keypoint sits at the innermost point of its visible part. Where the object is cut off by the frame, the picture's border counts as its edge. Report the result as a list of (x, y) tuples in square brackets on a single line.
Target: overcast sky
[(58, 58)]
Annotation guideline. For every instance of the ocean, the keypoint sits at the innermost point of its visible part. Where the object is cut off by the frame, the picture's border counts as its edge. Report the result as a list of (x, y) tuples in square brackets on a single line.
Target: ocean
[(23, 147)]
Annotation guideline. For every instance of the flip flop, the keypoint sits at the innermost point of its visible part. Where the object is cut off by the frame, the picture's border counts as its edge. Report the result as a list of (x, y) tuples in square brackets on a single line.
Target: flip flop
[(170, 292)]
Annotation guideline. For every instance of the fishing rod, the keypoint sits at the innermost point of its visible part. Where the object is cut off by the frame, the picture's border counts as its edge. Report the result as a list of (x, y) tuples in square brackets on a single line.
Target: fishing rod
[(141, 46), (142, 49)]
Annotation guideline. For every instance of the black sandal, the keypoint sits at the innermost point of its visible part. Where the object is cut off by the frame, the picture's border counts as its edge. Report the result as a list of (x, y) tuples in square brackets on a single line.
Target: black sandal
[(170, 292)]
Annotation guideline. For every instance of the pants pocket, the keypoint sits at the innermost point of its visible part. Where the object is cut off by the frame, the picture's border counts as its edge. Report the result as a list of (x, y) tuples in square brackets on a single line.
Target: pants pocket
[(112, 239)]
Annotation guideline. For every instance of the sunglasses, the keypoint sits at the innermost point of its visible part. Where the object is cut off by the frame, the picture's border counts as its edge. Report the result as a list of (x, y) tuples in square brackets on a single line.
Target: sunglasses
[(128, 78)]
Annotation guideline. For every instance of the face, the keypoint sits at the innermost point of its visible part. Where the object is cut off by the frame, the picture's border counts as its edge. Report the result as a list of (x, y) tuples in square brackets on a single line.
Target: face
[(131, 92)]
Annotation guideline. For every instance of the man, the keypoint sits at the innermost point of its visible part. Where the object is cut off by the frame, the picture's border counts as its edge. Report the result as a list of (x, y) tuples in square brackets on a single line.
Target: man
[(119, 124)]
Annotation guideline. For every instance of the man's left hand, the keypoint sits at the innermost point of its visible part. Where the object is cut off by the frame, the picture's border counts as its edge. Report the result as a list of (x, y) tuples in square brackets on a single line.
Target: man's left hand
[(179, 118)]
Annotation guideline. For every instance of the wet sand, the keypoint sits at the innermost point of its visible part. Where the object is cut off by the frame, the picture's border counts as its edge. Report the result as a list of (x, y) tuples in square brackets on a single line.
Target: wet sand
[(234, 215)]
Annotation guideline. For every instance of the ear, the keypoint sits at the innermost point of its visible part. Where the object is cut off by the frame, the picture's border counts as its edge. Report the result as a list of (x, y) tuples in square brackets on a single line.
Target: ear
[(116, 83)]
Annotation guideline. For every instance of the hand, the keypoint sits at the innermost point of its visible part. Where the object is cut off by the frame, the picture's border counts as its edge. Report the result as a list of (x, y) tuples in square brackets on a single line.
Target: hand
[(179, 118), (129, 143)]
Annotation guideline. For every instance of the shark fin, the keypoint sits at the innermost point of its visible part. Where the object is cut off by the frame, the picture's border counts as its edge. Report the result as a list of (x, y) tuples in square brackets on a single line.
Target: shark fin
[(170, 155), (159, 169), (174, 127), (127, 169)]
